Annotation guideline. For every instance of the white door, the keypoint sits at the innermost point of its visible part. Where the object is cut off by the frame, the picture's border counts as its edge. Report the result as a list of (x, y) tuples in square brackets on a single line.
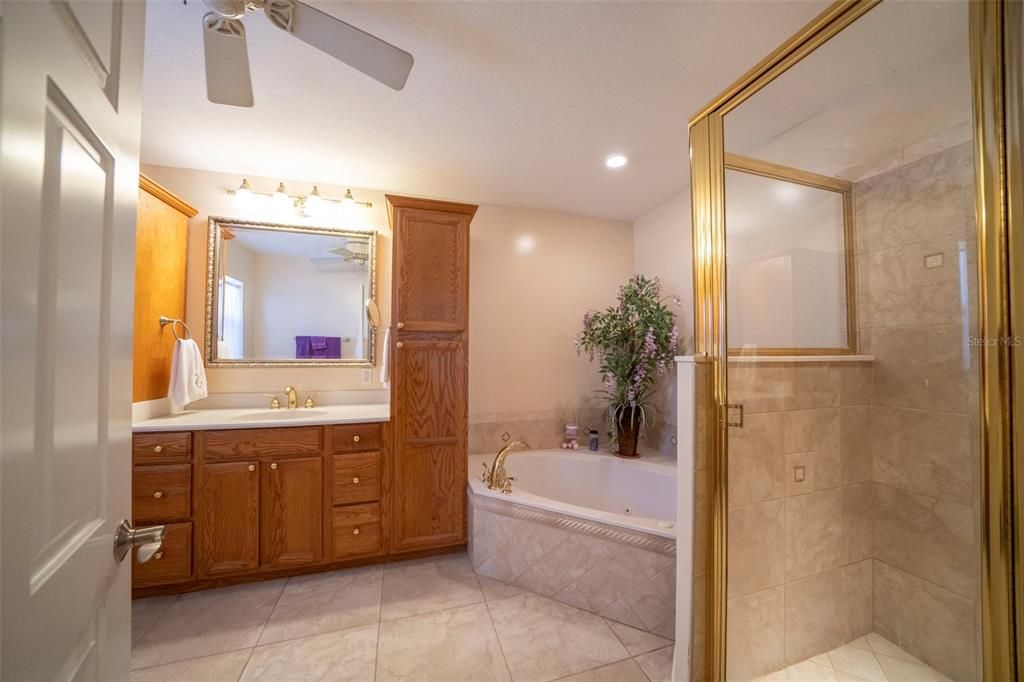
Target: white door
[(69, 161)]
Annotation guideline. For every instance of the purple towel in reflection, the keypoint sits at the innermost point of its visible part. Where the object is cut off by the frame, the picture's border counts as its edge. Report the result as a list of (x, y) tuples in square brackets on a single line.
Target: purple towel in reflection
[(318, 342), (305, 348)]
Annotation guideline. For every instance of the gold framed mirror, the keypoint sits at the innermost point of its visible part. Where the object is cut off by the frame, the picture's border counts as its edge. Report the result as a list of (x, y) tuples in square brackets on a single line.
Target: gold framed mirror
[(280, 295)]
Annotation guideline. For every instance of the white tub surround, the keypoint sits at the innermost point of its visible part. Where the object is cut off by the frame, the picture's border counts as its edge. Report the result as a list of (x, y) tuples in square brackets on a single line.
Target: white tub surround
[(585, 528), (256, 417), (687, 368)]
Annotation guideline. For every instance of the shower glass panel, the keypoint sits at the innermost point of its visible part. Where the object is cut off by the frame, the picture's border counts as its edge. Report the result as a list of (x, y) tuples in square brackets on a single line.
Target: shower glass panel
[(853, 463)]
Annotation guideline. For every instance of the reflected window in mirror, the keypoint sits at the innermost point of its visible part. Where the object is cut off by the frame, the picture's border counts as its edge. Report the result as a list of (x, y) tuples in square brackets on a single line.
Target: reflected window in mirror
[(284, 295)]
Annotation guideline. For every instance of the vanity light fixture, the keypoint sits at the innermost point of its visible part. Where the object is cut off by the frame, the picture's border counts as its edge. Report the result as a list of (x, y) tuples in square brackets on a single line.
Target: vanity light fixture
[(304, 205)]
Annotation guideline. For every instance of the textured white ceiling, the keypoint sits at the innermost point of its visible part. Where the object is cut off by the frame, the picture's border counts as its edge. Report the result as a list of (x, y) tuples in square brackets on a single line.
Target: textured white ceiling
[(513, 103)]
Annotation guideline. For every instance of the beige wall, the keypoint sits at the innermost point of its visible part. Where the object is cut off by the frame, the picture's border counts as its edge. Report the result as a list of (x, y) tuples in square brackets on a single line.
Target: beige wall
[(662, 248), (533, 274)]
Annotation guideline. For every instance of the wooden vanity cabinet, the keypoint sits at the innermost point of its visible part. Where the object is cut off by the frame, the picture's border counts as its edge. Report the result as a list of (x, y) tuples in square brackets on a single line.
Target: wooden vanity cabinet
[(429, 394)]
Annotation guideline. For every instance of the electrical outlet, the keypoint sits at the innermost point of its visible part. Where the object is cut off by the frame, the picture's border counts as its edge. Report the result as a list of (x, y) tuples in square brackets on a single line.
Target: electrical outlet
[(933, 260), (367, 376)]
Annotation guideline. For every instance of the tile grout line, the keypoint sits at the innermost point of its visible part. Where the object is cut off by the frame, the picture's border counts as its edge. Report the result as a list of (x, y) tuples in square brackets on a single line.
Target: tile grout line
[(153, 624), (380, 613), (194, 658), (494, 628), (260, 635)]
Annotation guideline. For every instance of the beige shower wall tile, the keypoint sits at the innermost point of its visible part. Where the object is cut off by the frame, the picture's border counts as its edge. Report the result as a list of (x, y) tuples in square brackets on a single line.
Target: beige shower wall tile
[(929, 537), (855, 383), (929, 622), (927, 368), (825, 530), (814, 385), (896, 289), (757, 549), (755, 636), (760, 388), (756, 459), (922, 200), (698, 636), (827, 610), (815, 431), (855, 429), (925, 452)]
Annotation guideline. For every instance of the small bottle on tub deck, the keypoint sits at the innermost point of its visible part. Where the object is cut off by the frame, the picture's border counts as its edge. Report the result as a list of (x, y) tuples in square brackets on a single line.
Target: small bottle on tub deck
[(593, 444)]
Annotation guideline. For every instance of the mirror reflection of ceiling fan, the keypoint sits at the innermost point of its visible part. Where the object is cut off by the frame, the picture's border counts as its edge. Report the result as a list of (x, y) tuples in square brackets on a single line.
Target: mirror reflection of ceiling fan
[(227, 57), (354, 251)]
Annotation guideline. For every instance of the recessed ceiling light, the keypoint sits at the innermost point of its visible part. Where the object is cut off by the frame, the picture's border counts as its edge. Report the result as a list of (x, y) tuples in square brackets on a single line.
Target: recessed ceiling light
[(616, 161)]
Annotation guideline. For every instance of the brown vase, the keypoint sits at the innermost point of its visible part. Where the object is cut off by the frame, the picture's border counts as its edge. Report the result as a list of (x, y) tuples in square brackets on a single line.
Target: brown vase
[(628, 435)]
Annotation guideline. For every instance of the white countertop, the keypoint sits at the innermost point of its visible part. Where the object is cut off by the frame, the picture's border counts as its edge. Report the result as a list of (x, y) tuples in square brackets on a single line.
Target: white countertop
[(258, 417)]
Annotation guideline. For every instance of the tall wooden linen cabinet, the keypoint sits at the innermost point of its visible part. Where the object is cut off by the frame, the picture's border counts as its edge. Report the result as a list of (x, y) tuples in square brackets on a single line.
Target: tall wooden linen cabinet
[(429, 372)]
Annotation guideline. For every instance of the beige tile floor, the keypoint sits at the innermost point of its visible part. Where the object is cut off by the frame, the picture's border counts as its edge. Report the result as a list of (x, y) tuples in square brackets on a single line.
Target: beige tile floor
[(423, 620), (868, 659)]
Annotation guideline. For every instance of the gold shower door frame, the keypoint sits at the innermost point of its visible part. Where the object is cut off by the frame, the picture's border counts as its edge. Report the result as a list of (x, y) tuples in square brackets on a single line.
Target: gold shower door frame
[(996, 73)]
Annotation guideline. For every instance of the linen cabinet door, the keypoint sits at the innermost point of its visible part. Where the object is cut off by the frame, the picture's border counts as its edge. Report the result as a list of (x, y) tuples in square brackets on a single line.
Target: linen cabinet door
[(430, 459), (291, 512), (431, 270), (227, 518)]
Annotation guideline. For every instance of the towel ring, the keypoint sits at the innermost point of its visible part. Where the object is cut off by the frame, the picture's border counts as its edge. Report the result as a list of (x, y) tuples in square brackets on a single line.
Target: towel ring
[(174, 329)]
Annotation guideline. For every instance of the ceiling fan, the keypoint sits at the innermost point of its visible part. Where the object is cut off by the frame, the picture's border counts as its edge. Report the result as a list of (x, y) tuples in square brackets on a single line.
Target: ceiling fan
[(227, 57)]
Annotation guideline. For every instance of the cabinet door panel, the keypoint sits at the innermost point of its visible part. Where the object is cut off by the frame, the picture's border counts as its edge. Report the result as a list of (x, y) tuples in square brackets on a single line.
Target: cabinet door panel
[(430, 496), (432, 375), (291, 519), (227, 518), (431, 270)]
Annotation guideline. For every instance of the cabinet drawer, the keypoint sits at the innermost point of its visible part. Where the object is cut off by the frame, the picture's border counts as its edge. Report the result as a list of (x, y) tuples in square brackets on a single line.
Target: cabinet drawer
[(356, 477), (356, 437), (356, 530), (161, 447), (248, 443), (172, 564), (161, 493)]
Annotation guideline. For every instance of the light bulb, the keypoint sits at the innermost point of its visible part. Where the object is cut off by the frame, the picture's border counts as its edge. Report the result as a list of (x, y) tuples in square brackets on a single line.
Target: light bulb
[(280, 197), (314, 202), (244, 191)]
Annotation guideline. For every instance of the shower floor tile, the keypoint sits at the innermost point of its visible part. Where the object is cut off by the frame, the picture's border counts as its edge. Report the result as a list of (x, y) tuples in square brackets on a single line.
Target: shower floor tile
[(872, 658)]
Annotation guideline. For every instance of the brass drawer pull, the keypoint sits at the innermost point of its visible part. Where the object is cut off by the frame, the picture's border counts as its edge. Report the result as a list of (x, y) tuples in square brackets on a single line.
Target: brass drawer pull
[(355, 438), (252, 467), (273, 465), (401, 325), (355, 531), (158, 449), (399, 344), (158, 556), (355, 479), (158, 494)]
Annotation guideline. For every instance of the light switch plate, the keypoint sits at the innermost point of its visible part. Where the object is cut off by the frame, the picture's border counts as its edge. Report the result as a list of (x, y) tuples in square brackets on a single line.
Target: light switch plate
[(800, 473), (367, 376)]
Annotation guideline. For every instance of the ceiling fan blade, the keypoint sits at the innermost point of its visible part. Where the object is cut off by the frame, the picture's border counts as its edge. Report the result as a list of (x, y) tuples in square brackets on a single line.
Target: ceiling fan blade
[(227, 61), (360, 50)]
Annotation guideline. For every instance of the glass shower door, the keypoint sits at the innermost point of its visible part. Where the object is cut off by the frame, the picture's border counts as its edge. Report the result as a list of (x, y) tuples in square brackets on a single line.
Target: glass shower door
[(851, 273)]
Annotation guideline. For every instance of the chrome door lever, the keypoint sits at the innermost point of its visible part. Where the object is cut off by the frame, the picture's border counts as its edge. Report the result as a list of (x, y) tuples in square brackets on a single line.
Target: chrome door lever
[(147, 539)]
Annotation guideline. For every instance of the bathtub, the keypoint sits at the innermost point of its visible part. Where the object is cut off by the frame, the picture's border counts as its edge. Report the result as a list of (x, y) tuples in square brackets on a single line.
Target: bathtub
[(589, 529)]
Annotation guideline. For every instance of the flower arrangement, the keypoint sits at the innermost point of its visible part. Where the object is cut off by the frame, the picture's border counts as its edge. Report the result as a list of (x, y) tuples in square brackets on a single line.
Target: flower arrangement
[(635, 343)]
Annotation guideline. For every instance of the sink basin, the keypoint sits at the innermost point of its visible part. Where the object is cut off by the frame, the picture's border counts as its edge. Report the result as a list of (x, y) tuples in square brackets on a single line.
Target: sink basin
[(279, 415)]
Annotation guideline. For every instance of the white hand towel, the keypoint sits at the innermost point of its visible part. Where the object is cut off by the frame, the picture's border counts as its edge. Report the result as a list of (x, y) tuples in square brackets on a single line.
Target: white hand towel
[(385, 360), (188, 378)]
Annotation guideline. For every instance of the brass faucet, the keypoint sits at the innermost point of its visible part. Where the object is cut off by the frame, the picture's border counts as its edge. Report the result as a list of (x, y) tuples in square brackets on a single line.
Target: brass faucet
[(495, 475), (293, 401)]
